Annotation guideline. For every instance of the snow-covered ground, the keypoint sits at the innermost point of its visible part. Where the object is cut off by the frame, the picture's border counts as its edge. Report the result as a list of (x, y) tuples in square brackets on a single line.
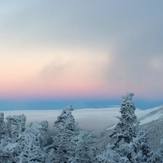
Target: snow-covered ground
[(92, 119)]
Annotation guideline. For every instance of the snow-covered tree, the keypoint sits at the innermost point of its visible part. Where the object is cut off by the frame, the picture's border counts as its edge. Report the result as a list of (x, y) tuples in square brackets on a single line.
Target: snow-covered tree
[(128, 144), (123, 135), (126, 129), (110, 156), (44, 135), (141, 149), (9, 152), (31, 143), (10, 131), (160, 150), (65, 129), (32, 154), (85, 150), (15, 126), (2, 126)]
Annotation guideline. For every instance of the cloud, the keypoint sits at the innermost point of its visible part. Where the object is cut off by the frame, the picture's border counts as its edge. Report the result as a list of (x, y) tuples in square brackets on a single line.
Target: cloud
[(79, 64), (55, 69), (116, 43)]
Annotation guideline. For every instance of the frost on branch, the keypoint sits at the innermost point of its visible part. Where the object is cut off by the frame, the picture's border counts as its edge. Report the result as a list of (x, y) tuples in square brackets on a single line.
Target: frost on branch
[(11, 129), (2, 126), (15, 125), (32, 142), (85, 151)]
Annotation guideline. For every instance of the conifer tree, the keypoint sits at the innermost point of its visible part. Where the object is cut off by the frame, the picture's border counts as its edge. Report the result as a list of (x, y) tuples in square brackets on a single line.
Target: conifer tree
[(85, 150), (65, 129), (128, 143), (143, 152), (127, 127)]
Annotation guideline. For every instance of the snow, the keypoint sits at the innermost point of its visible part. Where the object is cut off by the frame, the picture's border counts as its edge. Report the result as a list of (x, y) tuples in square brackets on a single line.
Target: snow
[(152, 115), (151, 118)]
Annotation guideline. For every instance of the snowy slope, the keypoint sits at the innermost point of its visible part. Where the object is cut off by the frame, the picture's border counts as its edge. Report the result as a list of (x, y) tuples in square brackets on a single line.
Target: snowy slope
[(152, 115)]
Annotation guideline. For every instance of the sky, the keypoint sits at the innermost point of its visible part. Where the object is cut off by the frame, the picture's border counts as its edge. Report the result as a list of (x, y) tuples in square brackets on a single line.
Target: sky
[(89, 52)]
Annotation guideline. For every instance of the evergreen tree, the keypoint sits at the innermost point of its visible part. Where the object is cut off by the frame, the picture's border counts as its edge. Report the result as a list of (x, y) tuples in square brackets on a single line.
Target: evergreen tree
[(128, 144), (11, 130), (160, 151), (65, 129), (30, 143), (125, 131), (15, 125), (123, 135), (2, 126), (136, 146), (84, 148), (108, 156)]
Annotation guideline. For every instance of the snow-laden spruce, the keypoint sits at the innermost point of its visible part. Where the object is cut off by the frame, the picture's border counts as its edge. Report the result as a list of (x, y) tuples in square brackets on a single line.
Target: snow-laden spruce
[(70, 143), (128, 144), (32, 142), (127, 127), (141, 150), (85, 151), (11, 128), (65, 129)]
